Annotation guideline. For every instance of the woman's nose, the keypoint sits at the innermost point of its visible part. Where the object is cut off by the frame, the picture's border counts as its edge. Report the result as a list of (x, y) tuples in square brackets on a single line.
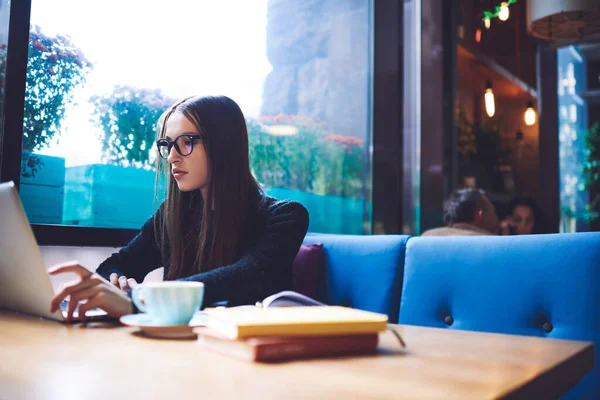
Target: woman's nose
[(173, 156)]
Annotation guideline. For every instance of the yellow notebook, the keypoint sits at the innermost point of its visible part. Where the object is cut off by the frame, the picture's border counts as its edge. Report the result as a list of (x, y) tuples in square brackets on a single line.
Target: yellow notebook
[(242, 322)]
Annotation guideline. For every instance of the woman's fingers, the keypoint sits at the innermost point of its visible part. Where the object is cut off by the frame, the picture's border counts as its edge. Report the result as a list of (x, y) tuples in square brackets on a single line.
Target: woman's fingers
[(131, 283), (67, 290), (93, 302), (115, 302), (84, 294), (511, 221), (71, 266), (99, 292), (71, 309), (123, 283)]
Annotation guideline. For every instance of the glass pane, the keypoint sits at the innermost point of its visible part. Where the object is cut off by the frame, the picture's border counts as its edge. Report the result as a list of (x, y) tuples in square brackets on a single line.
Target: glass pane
[(4, 20), (411, 204), (572, 126), (96, 84)]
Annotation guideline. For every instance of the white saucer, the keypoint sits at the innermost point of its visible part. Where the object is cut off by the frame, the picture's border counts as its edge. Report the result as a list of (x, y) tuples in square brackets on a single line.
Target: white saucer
[(152, 329)]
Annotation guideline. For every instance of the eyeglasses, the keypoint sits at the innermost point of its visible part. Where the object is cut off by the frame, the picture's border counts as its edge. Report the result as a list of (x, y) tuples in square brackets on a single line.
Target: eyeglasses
[(184, 144)]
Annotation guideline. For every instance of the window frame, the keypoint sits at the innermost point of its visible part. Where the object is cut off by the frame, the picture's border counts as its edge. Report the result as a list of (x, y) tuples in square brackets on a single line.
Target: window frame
[(385, 121), (14, 99)]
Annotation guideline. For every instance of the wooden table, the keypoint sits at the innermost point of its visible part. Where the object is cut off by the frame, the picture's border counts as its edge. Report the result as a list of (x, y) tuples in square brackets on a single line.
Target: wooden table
[(49, 360)]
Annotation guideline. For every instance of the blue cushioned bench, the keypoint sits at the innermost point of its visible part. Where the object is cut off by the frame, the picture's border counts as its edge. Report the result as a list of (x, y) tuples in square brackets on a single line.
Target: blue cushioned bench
[(536, 285), (362, 272)]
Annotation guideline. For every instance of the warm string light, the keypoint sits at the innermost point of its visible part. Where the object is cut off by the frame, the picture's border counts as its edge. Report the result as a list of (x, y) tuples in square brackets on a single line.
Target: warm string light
[(490, 106), (504, 13)]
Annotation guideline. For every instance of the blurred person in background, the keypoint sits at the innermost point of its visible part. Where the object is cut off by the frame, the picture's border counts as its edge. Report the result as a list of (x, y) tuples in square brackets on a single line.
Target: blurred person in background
[(467, 212), (525, 217)]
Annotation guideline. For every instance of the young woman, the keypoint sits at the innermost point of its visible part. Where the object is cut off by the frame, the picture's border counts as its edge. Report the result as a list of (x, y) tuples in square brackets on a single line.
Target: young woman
[(525, 217), (216, 226)]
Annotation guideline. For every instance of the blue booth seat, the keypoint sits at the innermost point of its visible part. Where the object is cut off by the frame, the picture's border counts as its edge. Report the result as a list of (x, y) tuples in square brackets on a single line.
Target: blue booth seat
[(363, 272), (536, 285)]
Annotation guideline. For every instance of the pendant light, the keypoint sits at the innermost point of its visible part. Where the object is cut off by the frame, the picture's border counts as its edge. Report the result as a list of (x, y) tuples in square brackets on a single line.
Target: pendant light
[(564, 22), (490, 107), (530, 116)]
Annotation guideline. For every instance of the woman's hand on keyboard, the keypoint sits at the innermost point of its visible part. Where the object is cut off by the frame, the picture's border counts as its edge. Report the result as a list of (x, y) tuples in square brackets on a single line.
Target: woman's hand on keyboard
[(122, 282), (96, 291)]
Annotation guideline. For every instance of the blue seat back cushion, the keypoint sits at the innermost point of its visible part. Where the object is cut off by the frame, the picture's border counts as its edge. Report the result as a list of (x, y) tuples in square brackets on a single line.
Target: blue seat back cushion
[(363, 272), (536, 285)]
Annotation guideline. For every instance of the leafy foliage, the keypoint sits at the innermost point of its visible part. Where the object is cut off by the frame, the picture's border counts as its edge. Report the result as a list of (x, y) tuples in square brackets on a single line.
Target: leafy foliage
[(311, 160), (591, 168), (482, 144), (55, 67), (128, 118), (467, 145)]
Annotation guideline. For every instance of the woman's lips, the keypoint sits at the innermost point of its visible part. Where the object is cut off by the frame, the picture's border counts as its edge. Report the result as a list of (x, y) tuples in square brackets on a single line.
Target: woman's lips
[(179, 174)]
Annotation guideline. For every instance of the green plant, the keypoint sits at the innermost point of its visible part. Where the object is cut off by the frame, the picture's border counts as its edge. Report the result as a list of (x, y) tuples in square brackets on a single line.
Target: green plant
[(55, 67), (482, 144), (312, 160), (492, 149), (467, 144), (128, 118), (591, 169)]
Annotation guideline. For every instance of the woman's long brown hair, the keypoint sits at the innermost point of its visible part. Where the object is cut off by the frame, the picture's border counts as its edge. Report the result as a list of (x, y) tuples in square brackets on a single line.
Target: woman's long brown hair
[(204, 234)]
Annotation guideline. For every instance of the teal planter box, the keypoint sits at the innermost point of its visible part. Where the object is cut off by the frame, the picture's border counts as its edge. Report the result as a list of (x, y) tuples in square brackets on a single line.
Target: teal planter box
[(42, 194), (328, 214), (118, 197), (108, 196)]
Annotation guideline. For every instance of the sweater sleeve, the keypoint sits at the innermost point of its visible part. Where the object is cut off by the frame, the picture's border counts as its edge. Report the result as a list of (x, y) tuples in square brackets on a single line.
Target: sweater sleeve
[(264, 269), (137, 258)]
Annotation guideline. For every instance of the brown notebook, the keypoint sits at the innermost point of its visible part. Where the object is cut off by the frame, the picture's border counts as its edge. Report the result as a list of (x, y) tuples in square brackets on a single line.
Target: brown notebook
[(283, 348)]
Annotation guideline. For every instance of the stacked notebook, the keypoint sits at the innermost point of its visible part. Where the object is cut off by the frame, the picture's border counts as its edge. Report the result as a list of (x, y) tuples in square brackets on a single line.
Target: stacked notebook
[(284, 333)]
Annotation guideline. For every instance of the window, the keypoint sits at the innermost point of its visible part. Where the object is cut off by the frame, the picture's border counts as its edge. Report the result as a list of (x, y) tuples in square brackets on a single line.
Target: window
[(96, 84), (4, 18), (572, 127)]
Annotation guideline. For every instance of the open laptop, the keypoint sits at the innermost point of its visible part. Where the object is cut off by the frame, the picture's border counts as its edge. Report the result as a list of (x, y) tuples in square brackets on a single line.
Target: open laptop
[(25, 285)]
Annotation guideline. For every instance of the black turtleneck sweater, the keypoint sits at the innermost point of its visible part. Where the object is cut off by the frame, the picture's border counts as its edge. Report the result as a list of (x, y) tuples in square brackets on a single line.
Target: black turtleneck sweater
[(273, 235)]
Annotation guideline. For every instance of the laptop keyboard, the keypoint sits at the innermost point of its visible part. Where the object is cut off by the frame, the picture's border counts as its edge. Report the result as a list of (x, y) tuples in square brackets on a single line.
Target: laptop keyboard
[(65, 304)]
